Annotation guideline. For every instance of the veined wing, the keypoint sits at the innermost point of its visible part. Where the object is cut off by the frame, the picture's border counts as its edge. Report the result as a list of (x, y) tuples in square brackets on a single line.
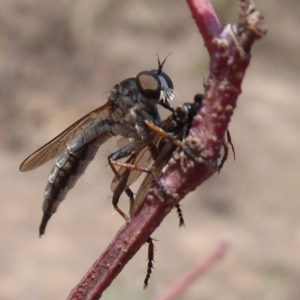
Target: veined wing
[(58, 144), (144, 158), (166, 150), (181, 122)]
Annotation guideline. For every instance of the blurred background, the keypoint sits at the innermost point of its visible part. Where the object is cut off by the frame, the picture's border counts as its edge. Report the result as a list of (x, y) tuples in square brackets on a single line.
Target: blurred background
[(57, 59)]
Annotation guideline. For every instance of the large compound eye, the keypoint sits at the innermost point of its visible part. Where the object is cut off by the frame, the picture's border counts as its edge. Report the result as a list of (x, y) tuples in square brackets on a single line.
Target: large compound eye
[(148, 84), (167, 80)]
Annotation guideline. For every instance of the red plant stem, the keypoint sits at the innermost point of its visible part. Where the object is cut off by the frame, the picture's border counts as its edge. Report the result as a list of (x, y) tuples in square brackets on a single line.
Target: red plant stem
[(206, 20), (199, 269), (229, 50), (124, 246)]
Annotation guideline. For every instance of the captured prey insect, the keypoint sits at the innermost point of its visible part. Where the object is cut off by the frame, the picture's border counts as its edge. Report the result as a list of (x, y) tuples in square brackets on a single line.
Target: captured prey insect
[(129, 104), (169, 135), (157, 153)]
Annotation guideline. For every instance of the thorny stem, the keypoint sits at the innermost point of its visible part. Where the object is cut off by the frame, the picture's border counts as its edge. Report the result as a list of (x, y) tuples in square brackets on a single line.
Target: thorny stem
[(229, 49)]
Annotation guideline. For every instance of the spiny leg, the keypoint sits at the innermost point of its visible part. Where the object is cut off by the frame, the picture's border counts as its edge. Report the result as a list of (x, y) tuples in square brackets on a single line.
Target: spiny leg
[(224, 157), (180, 215), (226, 150), (164, 134), (176, 142), (150, 264), (150, 261), (229, 141), (150, 171), (119, 190), (122, 180), (131, 167), (130, 195)]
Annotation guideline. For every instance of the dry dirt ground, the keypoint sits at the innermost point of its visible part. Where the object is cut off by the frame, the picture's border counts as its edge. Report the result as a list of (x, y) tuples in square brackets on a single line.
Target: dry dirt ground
[(57, 59)]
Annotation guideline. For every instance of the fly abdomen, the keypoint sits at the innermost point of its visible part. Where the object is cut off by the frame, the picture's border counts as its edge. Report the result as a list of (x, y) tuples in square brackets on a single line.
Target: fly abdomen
[(64, 176)]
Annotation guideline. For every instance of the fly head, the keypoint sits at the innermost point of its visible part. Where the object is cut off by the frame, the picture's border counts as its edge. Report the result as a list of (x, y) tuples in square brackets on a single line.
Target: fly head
[(156, 84)]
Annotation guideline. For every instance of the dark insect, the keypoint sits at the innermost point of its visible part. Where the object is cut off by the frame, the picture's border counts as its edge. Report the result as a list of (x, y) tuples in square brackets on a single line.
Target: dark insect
[(156, 153), (129, 104), (169, 135)]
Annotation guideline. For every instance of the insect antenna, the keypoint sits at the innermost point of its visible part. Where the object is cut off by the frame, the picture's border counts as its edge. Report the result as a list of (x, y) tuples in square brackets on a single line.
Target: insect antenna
[(161, 64)]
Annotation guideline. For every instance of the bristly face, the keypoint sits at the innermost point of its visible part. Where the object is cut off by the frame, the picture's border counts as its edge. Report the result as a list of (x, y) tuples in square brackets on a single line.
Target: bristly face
[(156, 84)]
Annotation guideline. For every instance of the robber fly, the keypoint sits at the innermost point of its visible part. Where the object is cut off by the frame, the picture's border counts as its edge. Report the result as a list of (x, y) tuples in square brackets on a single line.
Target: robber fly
[(129, 104)]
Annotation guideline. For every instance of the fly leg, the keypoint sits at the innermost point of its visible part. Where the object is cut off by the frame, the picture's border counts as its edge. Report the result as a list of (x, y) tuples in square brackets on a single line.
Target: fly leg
[(226, 150), (229, 141), (117, 193), (121, 186), (224, 157), (180, 215), (150, 261), (122, 179), (131, 167)]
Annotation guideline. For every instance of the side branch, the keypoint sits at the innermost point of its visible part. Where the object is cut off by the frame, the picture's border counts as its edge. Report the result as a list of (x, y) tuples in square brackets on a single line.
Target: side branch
[(206, 19)]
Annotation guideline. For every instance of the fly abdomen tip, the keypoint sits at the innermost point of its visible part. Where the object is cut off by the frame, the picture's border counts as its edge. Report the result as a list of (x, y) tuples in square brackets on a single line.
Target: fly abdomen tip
[(45, 219)]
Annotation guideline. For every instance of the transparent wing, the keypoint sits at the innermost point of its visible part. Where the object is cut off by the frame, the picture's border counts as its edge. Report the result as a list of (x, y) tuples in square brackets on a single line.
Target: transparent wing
[(142, 159), (141, 193), (165, 152), (58, 144)]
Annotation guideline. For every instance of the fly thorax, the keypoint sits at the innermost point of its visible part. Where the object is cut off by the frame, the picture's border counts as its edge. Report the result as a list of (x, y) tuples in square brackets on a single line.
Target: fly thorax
[(145, 109), (130, 118), (124, 95)]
